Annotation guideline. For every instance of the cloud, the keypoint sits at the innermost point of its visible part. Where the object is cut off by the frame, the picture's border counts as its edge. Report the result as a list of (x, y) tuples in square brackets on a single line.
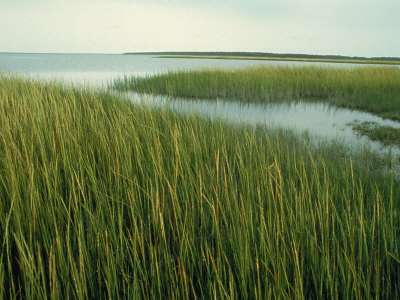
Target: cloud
[(333, 27)]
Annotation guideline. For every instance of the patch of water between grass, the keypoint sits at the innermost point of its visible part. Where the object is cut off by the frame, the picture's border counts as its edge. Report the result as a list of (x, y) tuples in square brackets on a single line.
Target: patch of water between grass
[(324, 123)]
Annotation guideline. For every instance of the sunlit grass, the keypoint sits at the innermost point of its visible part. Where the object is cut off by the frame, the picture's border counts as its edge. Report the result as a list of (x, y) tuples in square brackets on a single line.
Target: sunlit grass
[(372, 89), (104, 199)]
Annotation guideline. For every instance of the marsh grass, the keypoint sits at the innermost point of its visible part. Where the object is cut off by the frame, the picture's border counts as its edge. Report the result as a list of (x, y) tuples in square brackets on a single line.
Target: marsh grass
[(277, 58), (372, 89), (387, 135), (101, 198)]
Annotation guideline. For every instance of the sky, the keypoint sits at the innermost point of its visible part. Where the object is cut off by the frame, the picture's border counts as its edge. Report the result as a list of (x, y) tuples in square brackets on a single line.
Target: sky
[(344, 27)]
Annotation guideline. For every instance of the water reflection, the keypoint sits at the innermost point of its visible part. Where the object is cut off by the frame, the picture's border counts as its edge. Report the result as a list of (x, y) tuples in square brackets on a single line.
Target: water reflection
[(98, 69), (320, 120)]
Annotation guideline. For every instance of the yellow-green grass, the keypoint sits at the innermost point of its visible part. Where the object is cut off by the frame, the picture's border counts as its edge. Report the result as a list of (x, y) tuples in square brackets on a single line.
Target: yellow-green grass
[(372, 89), (385, 134), (322, 60), (100, 198)]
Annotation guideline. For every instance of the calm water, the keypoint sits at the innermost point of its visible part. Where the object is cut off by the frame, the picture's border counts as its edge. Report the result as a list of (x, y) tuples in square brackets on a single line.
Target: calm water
[(99, 68), (320, 120)]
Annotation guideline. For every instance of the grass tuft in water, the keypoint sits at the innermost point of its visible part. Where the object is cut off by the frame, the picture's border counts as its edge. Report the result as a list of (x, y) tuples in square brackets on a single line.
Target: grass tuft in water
[(387, 135)]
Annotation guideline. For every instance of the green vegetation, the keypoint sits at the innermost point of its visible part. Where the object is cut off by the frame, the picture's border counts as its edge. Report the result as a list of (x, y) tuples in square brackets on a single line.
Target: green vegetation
[(385, 134), (356, 59), (323, 60), (101, 198), (372, 89)]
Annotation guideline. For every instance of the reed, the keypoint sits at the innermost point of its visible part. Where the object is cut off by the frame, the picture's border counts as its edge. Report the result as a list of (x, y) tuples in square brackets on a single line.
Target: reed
[(372, 89), (101, 198)]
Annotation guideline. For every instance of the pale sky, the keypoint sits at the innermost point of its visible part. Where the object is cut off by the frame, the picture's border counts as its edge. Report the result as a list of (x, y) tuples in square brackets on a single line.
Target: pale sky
[(344, 27)]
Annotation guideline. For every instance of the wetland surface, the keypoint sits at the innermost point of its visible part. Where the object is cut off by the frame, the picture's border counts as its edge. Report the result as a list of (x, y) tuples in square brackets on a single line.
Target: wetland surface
[(98, 69), (103, 197), (322, 121)]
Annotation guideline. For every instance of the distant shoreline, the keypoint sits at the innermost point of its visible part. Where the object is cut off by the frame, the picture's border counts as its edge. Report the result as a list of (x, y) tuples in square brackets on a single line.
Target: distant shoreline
[(262, 54), (322, 60), (274, 57), (248, 56)]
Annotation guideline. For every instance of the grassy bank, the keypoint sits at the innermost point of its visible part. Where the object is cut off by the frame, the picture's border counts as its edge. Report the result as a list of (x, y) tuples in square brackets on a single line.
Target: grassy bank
[(372, 89), (102, 198), (320, 60)]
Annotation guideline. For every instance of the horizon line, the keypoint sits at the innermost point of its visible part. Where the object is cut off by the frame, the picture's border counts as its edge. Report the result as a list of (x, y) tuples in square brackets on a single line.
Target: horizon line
[(201, 52)]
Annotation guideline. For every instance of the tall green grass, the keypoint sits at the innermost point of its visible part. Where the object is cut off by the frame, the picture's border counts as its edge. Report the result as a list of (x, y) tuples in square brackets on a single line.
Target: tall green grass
[(100, 198), (372, 89)]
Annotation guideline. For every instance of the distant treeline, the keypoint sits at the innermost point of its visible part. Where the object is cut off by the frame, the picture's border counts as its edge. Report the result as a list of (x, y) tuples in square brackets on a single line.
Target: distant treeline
[(266, 54)]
